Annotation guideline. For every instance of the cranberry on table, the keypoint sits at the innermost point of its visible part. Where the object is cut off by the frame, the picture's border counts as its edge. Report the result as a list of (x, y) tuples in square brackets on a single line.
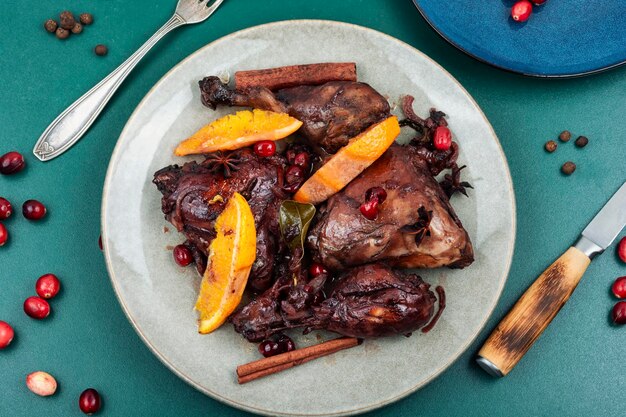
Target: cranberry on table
[(521, 10), (41, 383), (89, 401), (619, 313), (265, 148), (4, 234), (269, 348), (11, 163), (538, 2), (442, 138), (37, 308), (5, 208), (48, 286), (369, 209), (317, 269), (619, 287), (621, 249), (182, 255), (6, 334), (33, 210)]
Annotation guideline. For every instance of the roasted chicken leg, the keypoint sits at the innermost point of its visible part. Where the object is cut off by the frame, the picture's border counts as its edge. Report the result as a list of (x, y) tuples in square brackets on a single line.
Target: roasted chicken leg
[(367, 301), (331, 113)]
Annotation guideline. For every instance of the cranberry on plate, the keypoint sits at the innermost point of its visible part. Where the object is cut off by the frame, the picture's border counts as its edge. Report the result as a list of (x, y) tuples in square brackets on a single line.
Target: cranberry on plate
[(521, 10), (182, 255)]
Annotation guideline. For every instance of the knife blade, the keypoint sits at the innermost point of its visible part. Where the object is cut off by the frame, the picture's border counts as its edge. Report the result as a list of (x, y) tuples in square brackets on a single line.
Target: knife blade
[(541, 302), (609, 222)]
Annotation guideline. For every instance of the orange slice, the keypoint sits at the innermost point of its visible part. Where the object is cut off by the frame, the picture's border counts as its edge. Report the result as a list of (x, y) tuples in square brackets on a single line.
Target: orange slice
[(349, 162), (231, 255), (237, 130)]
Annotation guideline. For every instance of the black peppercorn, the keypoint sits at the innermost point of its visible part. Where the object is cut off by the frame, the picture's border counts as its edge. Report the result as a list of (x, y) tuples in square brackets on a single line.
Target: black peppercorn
[(565, 136), (550, 146), (101, 50), (67, 20), (582, 141), (86, 18), (77, 28), (62, 33), (568, 168), (51, 25)]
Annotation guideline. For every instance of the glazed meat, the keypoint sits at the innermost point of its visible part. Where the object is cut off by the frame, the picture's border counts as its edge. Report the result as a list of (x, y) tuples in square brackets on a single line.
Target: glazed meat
[(367, 301), (416, 226), (195, 194), (331, 113)]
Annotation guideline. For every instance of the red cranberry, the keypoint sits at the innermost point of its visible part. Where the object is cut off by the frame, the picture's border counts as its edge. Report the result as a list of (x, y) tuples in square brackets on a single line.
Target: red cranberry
[(294, 176), (291, 156), (265, 148), (11, 162), (619, 313), (317, 269), (4, 234), (285, 344), (443, 138), (538, 2), (369, 209), (269, 348), (182, 255), (89, 401), (47, 286), (6, 334), (5, 209), (33, 210), (303, 160), (619, 287), (621, 249), (377, 193), (37, 308), (521, 10)]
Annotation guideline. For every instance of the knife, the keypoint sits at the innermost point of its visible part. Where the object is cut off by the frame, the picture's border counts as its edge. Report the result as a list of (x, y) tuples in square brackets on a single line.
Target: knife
[(534, 311)]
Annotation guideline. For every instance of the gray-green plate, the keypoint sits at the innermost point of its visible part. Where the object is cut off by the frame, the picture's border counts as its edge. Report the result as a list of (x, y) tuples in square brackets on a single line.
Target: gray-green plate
[(158, 296)]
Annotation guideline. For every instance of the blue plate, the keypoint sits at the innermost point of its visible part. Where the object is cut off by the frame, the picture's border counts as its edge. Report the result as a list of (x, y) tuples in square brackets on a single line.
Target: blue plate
[(562, 38)]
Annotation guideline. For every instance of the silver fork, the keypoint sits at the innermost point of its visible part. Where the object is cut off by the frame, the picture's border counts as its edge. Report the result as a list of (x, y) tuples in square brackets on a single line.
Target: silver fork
[(72, 124)]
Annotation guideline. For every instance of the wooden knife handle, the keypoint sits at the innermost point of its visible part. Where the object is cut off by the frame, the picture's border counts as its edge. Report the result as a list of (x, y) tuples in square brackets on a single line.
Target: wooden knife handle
[(532, 313)]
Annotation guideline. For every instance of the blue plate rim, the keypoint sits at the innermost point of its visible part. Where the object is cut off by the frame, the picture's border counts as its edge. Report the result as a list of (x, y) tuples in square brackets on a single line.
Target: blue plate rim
[(511, 70)]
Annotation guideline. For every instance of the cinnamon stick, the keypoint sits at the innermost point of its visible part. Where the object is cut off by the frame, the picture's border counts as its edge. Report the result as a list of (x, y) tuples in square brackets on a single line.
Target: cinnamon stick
[(273, 364), (294, 75)]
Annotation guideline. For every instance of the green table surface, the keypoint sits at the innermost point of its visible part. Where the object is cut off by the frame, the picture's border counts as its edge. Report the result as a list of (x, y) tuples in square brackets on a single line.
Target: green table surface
[(577, 368)]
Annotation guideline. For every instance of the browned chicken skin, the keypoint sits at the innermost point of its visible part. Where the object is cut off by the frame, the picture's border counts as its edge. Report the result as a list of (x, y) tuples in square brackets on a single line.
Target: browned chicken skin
[(331, 113), (343, 237), (367, 301)]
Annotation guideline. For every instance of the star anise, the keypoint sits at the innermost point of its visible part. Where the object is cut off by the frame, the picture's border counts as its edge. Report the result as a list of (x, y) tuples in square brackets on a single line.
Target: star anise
[(452, 183), (421, 227), (226, 162)]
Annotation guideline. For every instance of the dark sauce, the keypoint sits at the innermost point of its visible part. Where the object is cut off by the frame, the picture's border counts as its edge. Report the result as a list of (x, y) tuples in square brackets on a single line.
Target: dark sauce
[(442, 305)]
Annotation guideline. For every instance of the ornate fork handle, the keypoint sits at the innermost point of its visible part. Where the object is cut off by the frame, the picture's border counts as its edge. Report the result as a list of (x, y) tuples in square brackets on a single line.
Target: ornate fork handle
[(70, 126)]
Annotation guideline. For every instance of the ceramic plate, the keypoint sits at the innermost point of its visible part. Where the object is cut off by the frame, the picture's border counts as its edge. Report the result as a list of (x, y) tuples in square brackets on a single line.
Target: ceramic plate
[(158, 296), (561, 38)]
